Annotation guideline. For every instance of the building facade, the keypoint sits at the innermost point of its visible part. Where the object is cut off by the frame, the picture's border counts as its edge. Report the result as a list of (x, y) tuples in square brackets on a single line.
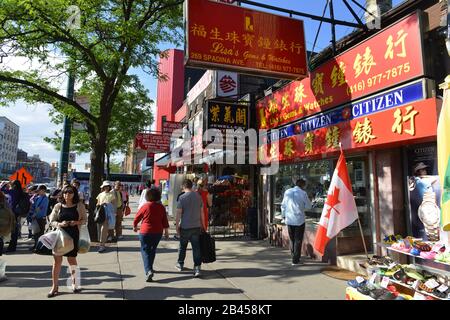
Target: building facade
[(9, 140)]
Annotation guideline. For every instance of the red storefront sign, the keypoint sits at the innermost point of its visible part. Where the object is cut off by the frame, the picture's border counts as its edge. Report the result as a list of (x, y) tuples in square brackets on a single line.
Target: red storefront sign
[(410, 122), (234, 38), (170, 126), (389, 58), (153, 143)]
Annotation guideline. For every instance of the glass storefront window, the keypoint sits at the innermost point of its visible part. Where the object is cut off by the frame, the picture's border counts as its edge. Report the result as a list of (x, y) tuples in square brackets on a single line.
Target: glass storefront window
[(318, 177)]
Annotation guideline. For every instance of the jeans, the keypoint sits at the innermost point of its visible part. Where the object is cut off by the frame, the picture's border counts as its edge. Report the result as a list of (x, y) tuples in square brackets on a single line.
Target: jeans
[(296, 239), (14, 236), (192, 235), (149, 243)]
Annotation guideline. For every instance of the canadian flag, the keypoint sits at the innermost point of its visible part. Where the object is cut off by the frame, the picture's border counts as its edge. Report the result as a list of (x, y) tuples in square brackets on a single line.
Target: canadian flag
[(339, 210)]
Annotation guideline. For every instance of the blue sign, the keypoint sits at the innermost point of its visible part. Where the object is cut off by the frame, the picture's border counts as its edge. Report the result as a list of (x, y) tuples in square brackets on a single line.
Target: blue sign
[(387, 100)]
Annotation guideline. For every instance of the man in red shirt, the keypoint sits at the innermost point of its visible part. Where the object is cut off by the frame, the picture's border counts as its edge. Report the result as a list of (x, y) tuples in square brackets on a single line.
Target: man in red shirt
[(154, 221)]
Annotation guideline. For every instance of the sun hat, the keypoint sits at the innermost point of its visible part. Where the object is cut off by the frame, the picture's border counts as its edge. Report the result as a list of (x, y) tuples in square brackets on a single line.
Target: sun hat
[(105, 183), (419, 166)]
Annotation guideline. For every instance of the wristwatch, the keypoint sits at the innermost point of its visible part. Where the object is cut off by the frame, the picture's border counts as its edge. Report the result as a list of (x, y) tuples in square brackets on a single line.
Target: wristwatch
[(430, 215)]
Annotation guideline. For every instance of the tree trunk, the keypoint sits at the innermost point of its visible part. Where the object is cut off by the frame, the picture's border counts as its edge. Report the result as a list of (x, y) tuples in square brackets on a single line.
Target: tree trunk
[(95, 180), (108, 166)]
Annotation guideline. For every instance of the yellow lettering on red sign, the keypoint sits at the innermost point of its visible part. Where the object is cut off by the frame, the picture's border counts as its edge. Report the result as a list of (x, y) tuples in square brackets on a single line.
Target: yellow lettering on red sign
[(285, 101), (309, 142), (338, 75), (198, 30), (248, 39), (215, 34), (401, 37), (332, 137), (299, 93), (264, 43), (273, 106), (318, 83), (280, 45), (262, 118), (288, 148), (363, 132), (232, 37), (273, 151), (364, 63), (296, 46), (400, 120)]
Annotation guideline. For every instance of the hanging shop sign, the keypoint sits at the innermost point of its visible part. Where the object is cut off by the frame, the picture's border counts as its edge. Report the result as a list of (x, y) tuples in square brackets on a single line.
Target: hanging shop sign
[(413, 121), (224, 115), (170, 126), (256, 42), (155, 143), (389, 58), (390, 99), (227, 84)]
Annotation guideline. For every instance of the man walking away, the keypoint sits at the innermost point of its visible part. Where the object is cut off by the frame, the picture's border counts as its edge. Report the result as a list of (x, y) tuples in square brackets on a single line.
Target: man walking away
[(189, 224), (293, 206), (119, 212)]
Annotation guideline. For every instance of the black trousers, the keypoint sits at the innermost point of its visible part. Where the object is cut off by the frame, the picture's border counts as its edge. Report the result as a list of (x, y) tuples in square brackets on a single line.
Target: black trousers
[(42, 222), (296, 238)]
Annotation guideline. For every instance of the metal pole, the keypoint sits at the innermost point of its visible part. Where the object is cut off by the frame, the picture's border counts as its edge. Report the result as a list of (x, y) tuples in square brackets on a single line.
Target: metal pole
[(363, 240), (65, 144), (333, 28)]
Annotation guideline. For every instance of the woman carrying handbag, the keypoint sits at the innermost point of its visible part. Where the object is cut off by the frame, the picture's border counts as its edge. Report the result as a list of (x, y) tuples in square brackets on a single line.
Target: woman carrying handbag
[(69, 214)]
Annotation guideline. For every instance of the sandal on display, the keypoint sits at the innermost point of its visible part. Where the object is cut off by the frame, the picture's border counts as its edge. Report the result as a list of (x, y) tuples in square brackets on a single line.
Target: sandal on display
[(355, 284), (415, 252), (428, 255), (422, 246), (425, 288), (413, 273)]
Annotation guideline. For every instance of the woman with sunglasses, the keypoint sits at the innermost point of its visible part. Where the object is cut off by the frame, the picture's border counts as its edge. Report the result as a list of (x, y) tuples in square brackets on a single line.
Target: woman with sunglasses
[(69, 214)]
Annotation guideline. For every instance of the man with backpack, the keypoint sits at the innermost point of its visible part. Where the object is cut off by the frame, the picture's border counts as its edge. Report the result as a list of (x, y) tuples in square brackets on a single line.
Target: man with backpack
[(19, 202)]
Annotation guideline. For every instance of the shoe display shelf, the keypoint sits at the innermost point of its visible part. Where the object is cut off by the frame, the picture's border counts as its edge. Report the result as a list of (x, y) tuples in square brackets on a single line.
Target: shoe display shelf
[(431, 269)]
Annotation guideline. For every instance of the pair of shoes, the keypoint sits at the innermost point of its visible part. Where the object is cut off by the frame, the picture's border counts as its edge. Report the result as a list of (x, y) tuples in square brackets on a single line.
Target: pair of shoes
[(101, 249), (196, 271), (75, 289), (149, 276), (53, 293), (298, 263), (179, 266)]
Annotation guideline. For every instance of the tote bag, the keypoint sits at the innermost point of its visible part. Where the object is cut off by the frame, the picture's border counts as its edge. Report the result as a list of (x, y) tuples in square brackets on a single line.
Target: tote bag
[(85, 241), (64, 243)]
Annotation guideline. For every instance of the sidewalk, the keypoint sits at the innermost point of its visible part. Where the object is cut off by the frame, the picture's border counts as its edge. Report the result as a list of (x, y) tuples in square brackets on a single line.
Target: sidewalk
[(244, 270)]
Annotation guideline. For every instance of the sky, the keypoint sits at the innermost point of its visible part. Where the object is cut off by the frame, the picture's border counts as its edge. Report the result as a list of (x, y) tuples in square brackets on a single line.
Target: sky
[(34, 121)]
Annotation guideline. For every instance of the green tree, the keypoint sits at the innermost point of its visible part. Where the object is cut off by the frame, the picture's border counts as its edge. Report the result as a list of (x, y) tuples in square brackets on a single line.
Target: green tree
[(113, 36), (131, 114)]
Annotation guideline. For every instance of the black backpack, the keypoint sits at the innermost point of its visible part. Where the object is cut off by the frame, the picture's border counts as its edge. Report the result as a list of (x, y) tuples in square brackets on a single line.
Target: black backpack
[(22, 207), (100, 214)]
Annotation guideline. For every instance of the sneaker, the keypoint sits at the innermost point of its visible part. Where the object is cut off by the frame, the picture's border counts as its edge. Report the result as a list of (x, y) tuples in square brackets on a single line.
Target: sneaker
[(196, 271), (179, 266), (149, 276), (101, 249)]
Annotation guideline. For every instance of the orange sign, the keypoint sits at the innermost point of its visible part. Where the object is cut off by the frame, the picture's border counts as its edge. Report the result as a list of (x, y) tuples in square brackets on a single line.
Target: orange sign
[(23, 176)]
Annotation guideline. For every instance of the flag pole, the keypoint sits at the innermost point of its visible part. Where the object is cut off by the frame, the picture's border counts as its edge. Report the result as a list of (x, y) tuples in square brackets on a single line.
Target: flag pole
[(359, 221)]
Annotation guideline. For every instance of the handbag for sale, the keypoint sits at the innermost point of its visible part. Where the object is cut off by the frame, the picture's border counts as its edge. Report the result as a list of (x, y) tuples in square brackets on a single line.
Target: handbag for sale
[(207, 248)]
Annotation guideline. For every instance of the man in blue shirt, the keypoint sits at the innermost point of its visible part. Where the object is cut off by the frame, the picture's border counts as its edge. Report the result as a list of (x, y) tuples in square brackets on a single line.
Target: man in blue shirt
[(38, 212), (293, 206)]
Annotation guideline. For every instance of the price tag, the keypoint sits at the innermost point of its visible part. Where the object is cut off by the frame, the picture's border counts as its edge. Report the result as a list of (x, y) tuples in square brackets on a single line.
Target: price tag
[(385, 282), (359, 279), (443, 288), (432, 284), (373, 278), (393, 264), (419, 296), (415, 285)]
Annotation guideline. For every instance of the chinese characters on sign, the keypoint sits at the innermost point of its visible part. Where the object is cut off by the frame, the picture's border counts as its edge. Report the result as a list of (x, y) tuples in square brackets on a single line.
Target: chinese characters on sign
[(258, 43), (390, 57), (222, 115), (414, 121)]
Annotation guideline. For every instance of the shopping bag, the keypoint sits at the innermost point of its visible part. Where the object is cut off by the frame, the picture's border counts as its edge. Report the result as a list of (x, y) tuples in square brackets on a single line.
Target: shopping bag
[(207, 248), (35, 228), (2, 268), (42, 249), (127, 211), (49, 239), (84, 242), (100, 215), (64, 243)]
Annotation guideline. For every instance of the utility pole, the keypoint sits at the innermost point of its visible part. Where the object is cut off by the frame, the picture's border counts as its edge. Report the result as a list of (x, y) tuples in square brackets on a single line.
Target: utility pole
[(65, 144)]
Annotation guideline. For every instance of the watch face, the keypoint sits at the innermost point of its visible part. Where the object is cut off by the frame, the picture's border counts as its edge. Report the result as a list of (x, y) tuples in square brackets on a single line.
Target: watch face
[(429, 214)]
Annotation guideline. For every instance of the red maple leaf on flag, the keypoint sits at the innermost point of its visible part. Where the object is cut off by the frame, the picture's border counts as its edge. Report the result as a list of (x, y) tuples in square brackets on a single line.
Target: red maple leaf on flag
[(332, 201)]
